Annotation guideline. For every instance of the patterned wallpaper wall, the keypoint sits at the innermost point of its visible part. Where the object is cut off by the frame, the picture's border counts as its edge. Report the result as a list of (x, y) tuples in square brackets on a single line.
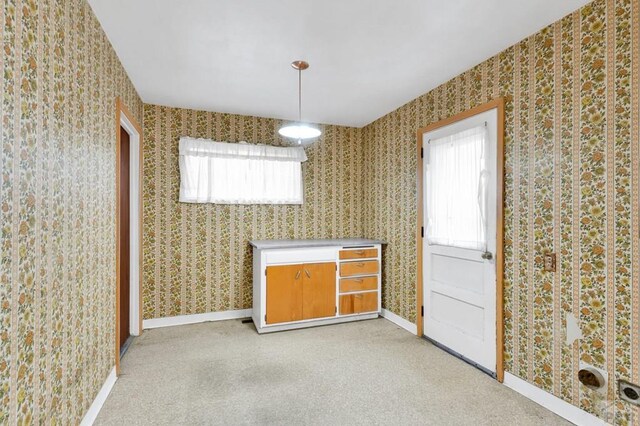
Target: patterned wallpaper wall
[(196, 256), (57, 274), (572, 186)]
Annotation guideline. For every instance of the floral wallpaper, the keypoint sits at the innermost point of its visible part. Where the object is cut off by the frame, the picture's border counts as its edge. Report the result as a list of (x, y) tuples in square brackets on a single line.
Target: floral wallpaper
[(196, 257), (60, 80), (572, 187)]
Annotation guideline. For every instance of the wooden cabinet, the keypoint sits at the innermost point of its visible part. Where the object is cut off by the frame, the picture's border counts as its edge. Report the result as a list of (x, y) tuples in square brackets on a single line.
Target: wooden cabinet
[(348, 285), (295, 282), (358, 268), (318, 290), (358, 254), (358, 302), (284, 293), (297, 292)]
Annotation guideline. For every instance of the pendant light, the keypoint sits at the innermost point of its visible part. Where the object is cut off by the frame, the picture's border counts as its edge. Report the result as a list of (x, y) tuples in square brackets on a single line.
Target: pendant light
[(299, 130)]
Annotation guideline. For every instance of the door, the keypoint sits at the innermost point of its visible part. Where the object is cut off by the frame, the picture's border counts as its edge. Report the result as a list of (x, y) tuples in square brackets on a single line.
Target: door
[(319, 290), (124, 237), (460, 237), (284, 293)]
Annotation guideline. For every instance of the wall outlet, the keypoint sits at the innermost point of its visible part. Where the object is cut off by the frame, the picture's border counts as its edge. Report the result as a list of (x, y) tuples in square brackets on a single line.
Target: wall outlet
[(629, 392), (550, 262), (604, 377)]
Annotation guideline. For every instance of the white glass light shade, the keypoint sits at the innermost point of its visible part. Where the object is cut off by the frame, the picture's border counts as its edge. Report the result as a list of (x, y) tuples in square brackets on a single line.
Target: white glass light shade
[(299, 131)]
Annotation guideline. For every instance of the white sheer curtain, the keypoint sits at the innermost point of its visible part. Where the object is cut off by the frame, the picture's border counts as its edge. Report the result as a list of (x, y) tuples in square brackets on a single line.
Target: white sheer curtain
[(456, 193), (239, 173)]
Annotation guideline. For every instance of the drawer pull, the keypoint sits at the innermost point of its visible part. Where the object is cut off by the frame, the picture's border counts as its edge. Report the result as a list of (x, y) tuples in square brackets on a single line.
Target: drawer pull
[(358, 296), (358, 280), (359, 251), (360, 265)]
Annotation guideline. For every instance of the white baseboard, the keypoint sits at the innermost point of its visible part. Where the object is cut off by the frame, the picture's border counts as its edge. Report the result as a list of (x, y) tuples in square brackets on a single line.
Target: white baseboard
[(195, 318), (550, 402), (97, 404), (398, 320)]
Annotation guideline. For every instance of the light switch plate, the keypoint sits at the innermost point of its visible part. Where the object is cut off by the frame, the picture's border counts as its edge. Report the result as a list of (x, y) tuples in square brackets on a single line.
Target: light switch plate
[(550, 262)]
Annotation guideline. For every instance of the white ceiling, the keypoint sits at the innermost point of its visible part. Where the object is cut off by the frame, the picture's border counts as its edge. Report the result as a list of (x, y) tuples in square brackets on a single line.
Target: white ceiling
[(367, 57)]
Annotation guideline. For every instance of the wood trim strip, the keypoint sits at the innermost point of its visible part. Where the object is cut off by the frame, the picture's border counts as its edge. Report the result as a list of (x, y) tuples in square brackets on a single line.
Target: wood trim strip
[(420, 224), (121, 109), (498, 104), (116, 342)]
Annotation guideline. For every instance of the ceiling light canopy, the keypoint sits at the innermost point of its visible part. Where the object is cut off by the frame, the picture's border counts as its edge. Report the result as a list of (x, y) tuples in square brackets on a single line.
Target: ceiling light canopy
[(300, 131)]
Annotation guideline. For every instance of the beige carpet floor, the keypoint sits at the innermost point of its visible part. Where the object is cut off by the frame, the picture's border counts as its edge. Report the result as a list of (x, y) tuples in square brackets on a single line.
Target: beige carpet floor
[(367, 372)]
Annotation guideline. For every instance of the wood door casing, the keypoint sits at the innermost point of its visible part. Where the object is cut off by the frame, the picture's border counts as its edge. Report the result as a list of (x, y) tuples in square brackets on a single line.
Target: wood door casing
[(284, 293), (319, 290), (499, 262), (124, 236)]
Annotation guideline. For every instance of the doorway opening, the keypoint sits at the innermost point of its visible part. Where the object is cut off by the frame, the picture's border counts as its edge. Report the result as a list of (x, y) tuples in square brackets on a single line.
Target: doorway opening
[(460, 235), (128, 230)]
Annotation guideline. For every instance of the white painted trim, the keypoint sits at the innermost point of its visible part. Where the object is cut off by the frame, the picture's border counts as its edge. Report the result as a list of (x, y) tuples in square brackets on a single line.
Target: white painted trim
[(134, 224), (398, 320), (316, 322), (97, 404), (552, 403), (195, 318)]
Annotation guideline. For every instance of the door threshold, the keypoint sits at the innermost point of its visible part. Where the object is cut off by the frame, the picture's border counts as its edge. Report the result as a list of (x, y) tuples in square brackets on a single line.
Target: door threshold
[(461, 357), (125, 346)]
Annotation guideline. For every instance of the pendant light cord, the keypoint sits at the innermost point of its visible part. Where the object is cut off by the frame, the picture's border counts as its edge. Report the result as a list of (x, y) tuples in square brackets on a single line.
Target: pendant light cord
[(299, 101), (299, 96)]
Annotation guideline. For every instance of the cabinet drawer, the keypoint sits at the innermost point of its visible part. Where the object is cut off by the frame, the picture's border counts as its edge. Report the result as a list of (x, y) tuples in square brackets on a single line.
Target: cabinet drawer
[(358, 254), (358, 284), (358, 303), (348, 269)]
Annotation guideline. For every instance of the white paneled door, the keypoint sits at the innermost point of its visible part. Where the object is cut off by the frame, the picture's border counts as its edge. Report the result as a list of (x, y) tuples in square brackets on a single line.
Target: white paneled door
[(460, 237)]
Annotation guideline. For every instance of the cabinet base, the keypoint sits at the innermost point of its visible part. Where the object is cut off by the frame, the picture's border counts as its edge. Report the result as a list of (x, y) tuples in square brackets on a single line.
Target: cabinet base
[(312, 323)]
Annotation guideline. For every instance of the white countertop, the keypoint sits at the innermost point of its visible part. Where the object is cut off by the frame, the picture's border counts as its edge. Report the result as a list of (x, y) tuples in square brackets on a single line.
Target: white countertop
[(344, 242)]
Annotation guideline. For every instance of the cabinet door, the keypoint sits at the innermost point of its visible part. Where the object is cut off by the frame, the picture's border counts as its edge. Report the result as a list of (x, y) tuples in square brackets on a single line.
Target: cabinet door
[(319, 290), (284, 293)]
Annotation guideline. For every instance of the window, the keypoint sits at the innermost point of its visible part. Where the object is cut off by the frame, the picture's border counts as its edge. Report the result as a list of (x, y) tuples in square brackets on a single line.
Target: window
[(456, 190), (239, 173)]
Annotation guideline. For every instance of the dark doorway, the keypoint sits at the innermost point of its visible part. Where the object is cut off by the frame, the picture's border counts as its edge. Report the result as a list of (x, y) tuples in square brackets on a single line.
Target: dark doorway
[(124, 241)]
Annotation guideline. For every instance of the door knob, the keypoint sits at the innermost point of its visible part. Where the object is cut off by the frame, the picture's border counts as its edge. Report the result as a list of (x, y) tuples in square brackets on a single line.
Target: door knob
[(487, 255)]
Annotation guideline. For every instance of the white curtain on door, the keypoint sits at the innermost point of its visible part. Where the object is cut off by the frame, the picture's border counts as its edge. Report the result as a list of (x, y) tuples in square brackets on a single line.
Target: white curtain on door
[(456, 190), (239, 173)]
